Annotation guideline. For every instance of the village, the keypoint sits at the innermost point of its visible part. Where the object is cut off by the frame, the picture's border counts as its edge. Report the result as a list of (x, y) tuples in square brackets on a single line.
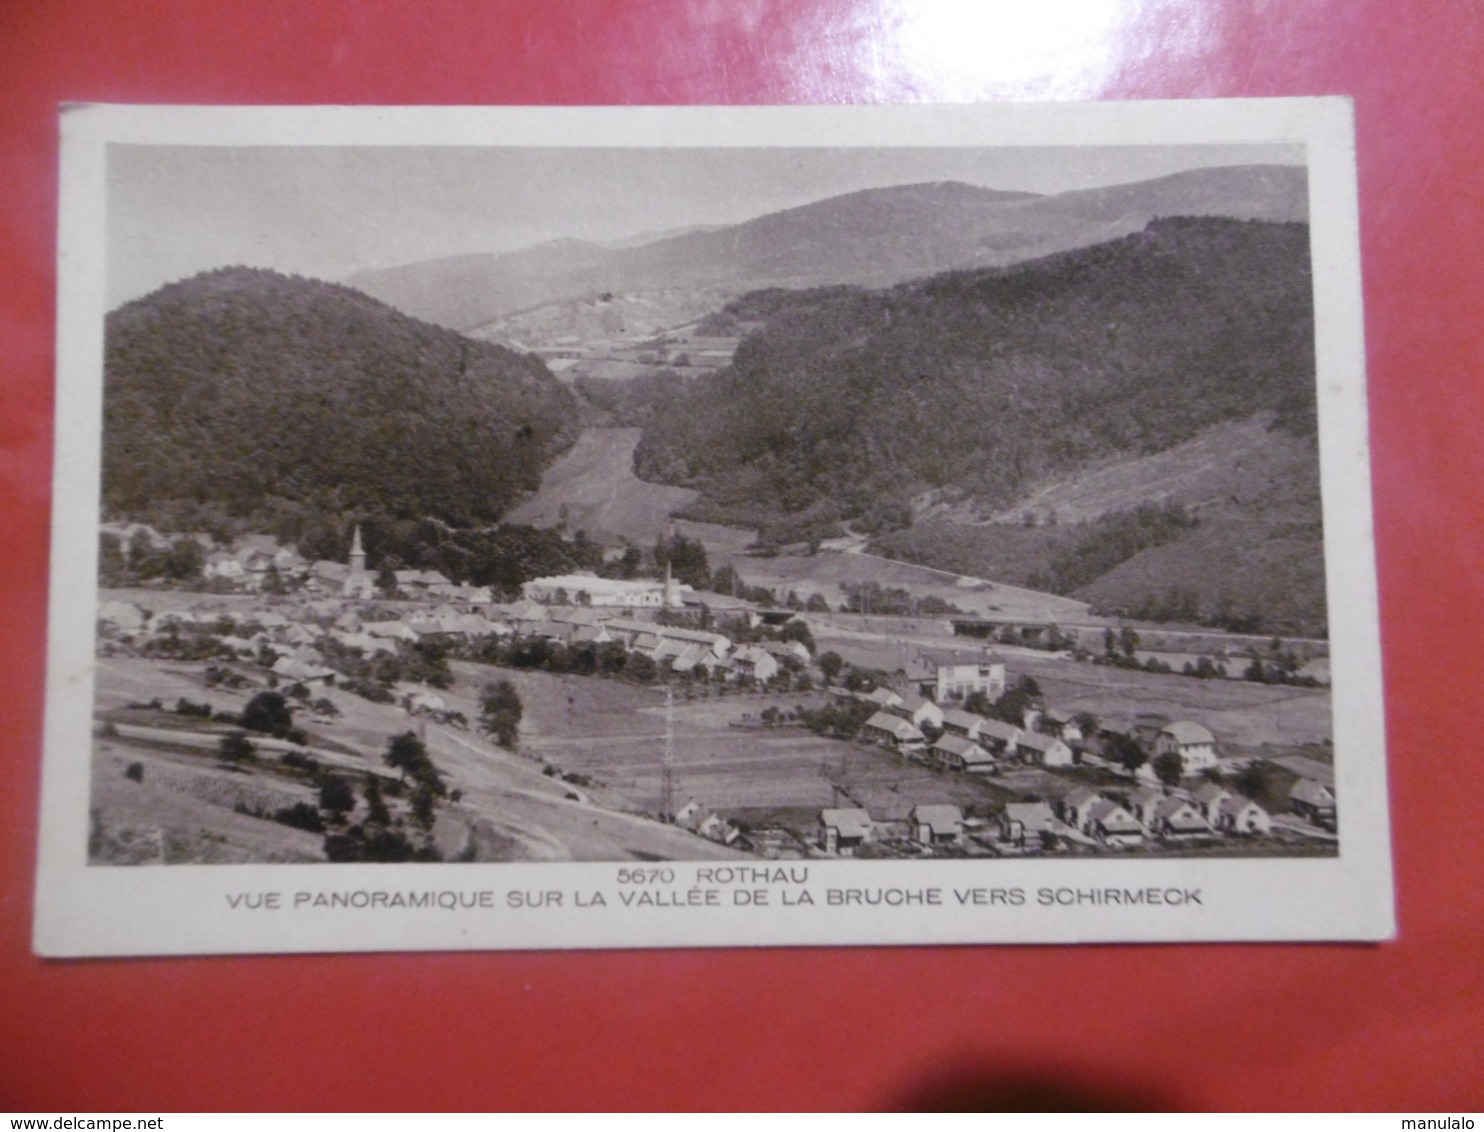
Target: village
[(727, 725)]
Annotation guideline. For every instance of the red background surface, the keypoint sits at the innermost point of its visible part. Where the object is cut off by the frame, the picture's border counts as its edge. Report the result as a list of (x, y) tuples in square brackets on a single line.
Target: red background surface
[(1397, 1026)]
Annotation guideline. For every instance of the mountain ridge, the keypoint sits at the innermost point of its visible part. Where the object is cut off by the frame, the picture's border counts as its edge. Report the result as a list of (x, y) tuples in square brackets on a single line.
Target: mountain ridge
[(870, 237)]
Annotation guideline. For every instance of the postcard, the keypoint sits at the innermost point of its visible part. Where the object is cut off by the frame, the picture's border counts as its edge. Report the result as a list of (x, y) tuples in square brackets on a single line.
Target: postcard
[(485, 528)]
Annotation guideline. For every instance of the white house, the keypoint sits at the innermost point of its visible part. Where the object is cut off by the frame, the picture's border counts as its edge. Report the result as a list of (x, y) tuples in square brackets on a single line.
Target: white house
[(995, 736), (937, 825), (1193, 743), (589, 589), (749, 660), (1022, 823), (965, 724), (958, 753), (1312, 800), (892, 731), (881, 697), (947, 676), (918, 711), (1243, 816), (843, 831), (1176, 819), (1076, 804), (1043, 750), (1111, 824)]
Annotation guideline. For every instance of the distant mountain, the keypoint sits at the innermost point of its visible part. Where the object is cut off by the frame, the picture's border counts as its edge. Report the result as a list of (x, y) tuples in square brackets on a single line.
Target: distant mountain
[(981, 384), (874, 237), (238, 388)]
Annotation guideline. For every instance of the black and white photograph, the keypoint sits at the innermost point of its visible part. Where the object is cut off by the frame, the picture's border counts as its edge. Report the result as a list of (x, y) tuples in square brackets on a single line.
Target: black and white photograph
[(914, 520)]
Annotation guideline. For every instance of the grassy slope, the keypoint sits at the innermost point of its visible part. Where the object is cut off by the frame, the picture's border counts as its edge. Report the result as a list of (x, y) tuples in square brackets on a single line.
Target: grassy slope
[(1258, 546), (595, 481)]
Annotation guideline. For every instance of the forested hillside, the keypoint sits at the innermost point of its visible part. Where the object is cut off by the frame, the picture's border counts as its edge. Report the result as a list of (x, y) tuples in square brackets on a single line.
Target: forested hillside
[(981, 383), (253, 394)]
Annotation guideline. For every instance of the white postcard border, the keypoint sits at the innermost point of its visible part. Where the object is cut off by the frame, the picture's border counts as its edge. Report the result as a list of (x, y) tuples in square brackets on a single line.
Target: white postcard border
[(92, 911)]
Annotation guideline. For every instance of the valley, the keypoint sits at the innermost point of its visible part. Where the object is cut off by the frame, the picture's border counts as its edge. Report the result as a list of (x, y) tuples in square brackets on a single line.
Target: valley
[(928, 520)]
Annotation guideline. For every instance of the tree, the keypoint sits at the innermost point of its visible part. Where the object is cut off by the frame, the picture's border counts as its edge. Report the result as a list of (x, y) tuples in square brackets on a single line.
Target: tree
[(268, 713), (1126, 752), (501, 711), (423, 806), (641, 668), (1169, 767), (301, 815), (235, 747), (144, 560), (830, 664), (1013, 705), (1252, 780), (686, 559), (797, 630), (336, 796), (183, 561), (376, 811), (406, 754), (977, 702), (1128, 640)]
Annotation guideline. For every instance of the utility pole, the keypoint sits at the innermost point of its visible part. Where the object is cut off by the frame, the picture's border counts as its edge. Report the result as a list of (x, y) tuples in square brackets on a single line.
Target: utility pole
[(667, 771)]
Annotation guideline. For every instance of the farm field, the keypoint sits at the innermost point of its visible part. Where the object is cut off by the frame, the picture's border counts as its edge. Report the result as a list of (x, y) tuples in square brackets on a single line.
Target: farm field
[(586, 781), (828, 572), (596, 484), (615, 733), (1238, 713), (508, 810)]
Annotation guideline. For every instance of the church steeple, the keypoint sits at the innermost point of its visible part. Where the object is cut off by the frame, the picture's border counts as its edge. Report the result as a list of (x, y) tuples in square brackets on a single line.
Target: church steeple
[(357, 553)]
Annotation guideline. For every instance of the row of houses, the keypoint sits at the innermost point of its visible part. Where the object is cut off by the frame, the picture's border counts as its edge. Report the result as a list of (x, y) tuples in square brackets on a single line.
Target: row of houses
[(685, 650), (706, 823), (1082, 815), (1166, 815), (843, 831), (976, 743)]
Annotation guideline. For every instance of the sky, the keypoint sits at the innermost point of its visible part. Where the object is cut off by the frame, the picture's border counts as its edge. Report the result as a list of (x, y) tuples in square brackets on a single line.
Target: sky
[(329, 211)]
